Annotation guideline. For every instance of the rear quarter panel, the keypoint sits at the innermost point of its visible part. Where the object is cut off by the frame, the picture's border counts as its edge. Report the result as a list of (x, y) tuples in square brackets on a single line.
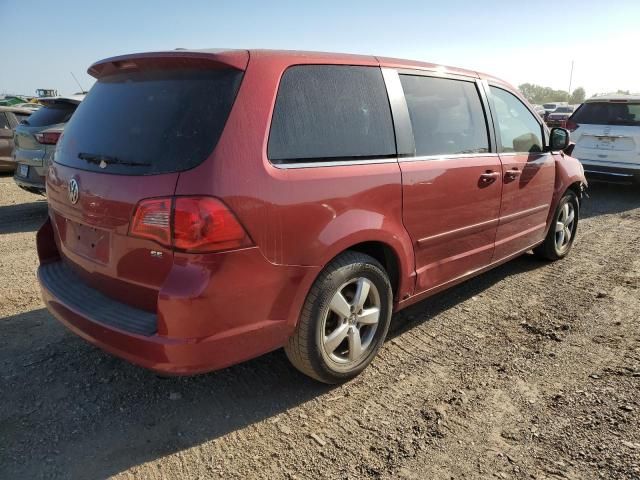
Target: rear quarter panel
[(303, 216)]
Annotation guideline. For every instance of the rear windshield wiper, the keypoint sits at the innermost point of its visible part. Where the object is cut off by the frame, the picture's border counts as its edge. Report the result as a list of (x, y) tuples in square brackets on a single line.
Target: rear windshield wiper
[(108, 160)]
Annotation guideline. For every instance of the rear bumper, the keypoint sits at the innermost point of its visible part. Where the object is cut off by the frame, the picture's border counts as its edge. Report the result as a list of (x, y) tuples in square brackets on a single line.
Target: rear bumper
[(34, 182), (236, 307), (611, 173), (162, 354), (556, 123)]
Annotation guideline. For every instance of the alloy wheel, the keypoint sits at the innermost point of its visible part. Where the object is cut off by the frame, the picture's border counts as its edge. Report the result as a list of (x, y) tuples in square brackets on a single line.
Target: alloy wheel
[(351, 321)]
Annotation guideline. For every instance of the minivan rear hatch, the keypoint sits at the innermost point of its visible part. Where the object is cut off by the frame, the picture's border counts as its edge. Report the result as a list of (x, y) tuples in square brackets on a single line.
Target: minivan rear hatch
[(147, 118)]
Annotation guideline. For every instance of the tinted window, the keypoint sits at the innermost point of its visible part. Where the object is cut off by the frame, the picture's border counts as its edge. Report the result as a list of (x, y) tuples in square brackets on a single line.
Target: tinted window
[(446, 116), (22, 116), (519, 129), (606, 113), (325, 111), (52, 114), (4, 121), (150, 121)]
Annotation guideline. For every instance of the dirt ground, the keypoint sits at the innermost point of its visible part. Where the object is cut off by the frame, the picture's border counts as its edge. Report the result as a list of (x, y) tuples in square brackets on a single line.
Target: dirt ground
[(530, 371)]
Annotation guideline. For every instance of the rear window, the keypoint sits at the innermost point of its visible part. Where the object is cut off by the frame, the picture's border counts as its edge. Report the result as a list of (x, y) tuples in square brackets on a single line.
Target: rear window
[(563, 110), (549, 106), (606, 113), (150, 122), (331, 112), (51, 114), (22, 116)]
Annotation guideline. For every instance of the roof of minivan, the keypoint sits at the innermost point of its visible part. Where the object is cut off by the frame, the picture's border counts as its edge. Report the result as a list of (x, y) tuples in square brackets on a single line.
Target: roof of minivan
[(235, 57)]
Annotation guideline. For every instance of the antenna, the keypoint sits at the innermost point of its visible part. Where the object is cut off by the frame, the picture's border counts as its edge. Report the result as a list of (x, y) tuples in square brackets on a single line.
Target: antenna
[(74, 77)]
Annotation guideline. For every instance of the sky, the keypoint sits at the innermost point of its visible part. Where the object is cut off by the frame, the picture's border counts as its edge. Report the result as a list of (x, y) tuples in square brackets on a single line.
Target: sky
[(521, 41)]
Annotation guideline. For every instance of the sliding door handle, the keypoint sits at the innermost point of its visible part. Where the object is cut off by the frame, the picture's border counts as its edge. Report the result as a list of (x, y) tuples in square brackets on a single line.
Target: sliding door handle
[(489, 177), (512, 174)]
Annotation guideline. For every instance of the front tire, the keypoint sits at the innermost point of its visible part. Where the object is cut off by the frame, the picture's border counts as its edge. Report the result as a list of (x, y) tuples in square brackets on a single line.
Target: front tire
[(344, 320), (563, 229)]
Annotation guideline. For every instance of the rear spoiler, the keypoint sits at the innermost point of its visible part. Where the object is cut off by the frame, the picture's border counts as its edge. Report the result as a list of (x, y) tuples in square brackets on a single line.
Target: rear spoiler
[(237, 59)]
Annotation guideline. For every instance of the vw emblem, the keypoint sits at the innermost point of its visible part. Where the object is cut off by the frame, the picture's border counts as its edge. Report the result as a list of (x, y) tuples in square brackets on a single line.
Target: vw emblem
[(74, 191)]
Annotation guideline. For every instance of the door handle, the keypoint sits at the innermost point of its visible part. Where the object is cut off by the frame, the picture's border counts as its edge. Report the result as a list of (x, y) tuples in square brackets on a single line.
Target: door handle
[(488, 177), (512, 174)]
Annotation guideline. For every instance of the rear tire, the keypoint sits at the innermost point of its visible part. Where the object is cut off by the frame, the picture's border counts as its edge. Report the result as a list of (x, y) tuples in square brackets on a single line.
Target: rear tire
[(344, 320), (563, 229)]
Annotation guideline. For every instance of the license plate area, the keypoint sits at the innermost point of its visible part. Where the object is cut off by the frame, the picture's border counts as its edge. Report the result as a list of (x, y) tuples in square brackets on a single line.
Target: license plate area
[(23, 170), (87, 241)]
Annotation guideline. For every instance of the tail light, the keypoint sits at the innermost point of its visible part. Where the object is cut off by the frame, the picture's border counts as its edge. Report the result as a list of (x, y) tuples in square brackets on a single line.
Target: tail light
[(48, 138), (190, 224), (571, 125)]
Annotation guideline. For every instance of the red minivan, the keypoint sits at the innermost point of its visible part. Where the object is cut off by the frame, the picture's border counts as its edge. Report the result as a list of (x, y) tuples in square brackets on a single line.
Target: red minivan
[(206, 207)]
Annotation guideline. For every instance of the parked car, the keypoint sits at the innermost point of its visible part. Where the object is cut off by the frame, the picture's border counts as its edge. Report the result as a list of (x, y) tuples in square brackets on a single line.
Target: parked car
[(551, 107), (558, 118), (29, 105), (36, 140), (206, 207), (10, 117), (539, 109), (11, 100), (606, 132)]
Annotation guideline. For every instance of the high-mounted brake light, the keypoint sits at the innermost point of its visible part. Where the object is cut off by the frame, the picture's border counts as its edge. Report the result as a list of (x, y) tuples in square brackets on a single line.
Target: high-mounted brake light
[(190, 224), (48, 138)]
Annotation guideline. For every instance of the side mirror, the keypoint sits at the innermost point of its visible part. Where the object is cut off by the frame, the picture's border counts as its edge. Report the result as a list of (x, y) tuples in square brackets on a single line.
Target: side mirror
[(558, 139)]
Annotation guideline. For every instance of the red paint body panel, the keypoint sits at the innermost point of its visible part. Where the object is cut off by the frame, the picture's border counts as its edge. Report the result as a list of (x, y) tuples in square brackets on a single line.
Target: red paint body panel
[(440, 220), (453, 233), (526, 201)]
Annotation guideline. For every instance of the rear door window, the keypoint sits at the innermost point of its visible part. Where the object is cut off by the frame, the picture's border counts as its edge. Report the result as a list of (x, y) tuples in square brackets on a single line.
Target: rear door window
[(519, 130), (150, 122), (608, 113), (52, 114), (331, 112), (447, 117)]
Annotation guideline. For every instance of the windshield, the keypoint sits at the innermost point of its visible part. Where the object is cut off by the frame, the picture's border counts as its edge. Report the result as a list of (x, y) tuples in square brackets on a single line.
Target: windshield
[(563, 110), (149, 122), (607, 113)]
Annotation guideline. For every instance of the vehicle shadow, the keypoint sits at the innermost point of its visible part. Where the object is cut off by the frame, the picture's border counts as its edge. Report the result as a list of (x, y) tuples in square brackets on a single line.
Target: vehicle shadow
[(96, 416), (610, 198), (23, 217), (429, 308)]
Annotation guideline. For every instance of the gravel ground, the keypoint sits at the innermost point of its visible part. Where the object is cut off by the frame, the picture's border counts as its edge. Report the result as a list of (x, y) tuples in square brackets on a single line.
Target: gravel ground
[(529, 371)]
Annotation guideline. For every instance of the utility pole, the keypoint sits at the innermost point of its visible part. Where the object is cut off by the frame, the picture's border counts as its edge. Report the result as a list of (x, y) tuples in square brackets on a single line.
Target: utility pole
[(570, 81)]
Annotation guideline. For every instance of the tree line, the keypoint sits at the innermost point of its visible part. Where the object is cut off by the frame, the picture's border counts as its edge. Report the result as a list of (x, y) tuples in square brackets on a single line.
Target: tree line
[(538, 94)]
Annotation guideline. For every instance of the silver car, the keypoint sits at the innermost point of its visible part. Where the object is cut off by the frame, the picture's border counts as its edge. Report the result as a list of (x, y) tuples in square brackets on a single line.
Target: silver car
[(36, 138)]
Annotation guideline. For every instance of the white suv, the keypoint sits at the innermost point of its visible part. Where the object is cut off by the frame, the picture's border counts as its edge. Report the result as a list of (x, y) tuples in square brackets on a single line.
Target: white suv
[(606, 131)]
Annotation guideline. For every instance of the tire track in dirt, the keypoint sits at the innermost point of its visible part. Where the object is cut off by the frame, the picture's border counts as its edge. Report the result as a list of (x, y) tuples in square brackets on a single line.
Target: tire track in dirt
[(491, 378)]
